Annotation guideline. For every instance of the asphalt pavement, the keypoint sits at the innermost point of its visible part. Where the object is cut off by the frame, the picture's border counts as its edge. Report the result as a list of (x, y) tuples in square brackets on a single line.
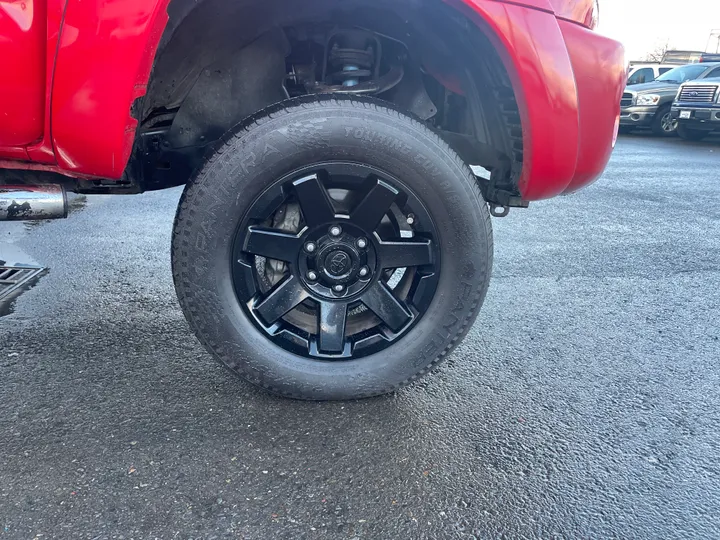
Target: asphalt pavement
[(584, 403)]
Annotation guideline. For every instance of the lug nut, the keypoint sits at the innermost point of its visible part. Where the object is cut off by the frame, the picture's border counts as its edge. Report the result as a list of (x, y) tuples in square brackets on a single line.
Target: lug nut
[(362, 243), (339, 288), (335, 230), (310, 247), (312, 276), (364, 271)]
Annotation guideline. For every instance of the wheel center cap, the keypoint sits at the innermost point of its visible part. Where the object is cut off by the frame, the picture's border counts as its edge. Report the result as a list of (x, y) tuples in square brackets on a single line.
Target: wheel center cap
[(338, 263)]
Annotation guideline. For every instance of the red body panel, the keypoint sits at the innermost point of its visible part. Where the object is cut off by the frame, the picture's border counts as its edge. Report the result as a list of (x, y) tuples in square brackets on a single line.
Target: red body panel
[(579, 11), (599, 66), (544, 72), (22, 61), (567, 81), (103, 64), (43, 151)]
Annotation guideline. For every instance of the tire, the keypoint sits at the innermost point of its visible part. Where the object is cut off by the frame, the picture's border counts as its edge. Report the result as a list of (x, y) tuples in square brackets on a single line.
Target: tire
[(664, 125), (689, 134), (625, 130), (268, 156)]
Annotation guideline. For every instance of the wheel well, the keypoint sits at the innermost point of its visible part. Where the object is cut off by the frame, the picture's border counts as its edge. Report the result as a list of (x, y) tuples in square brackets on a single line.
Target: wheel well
[(219, 62)]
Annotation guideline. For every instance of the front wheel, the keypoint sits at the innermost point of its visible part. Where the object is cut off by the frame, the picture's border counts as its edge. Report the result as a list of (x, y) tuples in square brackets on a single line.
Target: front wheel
[(690, 134), (664, 124), (332, 249)]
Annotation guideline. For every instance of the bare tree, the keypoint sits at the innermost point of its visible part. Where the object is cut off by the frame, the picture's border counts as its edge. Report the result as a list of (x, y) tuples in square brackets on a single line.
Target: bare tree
[(658, 52)]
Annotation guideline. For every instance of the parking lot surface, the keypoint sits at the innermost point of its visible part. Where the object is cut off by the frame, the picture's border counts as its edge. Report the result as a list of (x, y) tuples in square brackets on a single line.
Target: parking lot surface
[(585, 402)]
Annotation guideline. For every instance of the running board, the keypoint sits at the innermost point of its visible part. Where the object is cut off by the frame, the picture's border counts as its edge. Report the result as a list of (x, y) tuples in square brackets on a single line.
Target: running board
[(30, 203), (15, 278)]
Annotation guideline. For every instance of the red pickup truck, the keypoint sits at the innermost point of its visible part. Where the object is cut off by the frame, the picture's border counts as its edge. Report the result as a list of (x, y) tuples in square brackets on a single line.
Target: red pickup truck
[(333, 240)]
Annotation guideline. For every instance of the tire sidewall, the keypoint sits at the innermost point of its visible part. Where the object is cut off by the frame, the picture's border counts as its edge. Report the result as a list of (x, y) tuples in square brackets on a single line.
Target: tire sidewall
[(215, 203)]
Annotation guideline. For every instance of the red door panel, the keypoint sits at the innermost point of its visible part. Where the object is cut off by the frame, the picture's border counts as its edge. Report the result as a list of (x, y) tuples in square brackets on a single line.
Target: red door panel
[(22, 71)]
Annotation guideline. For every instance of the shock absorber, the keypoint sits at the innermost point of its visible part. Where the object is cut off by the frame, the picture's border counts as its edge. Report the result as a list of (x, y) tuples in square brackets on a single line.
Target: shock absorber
[(352, 57)]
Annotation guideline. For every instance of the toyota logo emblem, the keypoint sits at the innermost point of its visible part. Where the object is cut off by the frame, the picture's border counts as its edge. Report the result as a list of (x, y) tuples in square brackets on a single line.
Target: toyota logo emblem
[(339, 263), (694, 94)]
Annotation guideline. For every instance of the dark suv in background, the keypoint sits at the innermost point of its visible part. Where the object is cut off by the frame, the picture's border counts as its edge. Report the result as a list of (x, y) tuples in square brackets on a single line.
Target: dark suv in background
[(650, 104)]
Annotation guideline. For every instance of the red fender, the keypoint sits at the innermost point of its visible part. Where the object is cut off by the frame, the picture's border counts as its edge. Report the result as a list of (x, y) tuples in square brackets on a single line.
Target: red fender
[(533, 50), (568, 81)]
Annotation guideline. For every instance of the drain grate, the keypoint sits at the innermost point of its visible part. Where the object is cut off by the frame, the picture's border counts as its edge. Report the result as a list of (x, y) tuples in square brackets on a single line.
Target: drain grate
[(14, 278)]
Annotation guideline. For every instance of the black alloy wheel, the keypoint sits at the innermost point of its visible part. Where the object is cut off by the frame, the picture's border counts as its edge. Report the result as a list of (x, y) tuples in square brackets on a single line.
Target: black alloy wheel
[(359, 268)]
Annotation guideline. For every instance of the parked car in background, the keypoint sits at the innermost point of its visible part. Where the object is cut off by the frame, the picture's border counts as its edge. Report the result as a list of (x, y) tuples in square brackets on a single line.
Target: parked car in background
[(645, 73), (697, 109), (650, 104)]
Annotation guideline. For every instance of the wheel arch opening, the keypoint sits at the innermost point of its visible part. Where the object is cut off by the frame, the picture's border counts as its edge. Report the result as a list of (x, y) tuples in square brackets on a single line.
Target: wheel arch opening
[(219, 62)]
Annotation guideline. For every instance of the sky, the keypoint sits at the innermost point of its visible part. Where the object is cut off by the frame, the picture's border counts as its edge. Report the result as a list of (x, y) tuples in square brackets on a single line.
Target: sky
[(642, 25)]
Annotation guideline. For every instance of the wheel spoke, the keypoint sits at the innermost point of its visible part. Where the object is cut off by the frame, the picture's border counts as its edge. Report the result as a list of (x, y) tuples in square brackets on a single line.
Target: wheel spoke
[(405, 254), (282, 299), (332, 327), (369, 212), (380, 300), (272, 244), (314, 201)]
